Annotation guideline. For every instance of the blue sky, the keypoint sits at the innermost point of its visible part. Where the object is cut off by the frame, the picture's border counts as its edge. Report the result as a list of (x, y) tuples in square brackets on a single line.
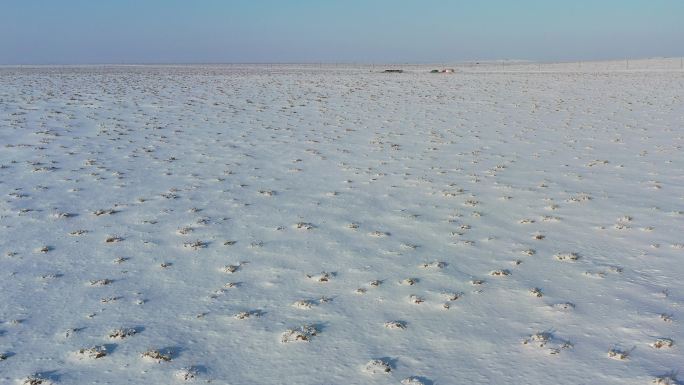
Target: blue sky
[(207, 31)]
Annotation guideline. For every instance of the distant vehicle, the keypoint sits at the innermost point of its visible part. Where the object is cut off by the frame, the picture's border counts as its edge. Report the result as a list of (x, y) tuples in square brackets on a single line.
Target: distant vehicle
[(394, 71), (443, 71)]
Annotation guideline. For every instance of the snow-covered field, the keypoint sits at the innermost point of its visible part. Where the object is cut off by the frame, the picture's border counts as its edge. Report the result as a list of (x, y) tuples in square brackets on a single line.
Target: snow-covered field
[(330, 225)]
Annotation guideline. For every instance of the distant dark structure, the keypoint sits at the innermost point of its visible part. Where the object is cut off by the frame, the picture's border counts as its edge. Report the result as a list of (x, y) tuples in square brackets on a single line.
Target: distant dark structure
[(393, 71)]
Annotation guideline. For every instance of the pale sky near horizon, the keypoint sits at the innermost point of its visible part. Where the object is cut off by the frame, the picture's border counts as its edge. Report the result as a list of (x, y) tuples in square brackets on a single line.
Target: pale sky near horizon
[(389, 31)]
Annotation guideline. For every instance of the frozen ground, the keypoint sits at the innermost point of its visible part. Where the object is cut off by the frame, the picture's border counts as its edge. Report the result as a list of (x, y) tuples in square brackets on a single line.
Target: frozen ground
[(277, 224)]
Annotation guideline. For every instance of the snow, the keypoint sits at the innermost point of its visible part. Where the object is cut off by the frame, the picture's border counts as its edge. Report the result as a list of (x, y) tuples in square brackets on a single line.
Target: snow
[(339, 225)]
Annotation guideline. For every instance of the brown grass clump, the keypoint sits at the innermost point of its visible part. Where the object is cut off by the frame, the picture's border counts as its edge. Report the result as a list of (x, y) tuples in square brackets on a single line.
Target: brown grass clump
[(666, 379), (395, 325), (434, 265), (187, 374), (303, 333), (500, 273), (121, 333), (377, 367), (618, 354), (94, 352), (157, 355), (662, 343), (195, 245), (322, 277), (567, 257)]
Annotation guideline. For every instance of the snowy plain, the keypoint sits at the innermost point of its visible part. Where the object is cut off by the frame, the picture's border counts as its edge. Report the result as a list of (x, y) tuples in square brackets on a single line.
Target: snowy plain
[(339, 225)]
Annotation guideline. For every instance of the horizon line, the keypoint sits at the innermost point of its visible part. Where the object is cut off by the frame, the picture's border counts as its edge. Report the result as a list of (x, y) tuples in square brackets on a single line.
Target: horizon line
[(329, 63)]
